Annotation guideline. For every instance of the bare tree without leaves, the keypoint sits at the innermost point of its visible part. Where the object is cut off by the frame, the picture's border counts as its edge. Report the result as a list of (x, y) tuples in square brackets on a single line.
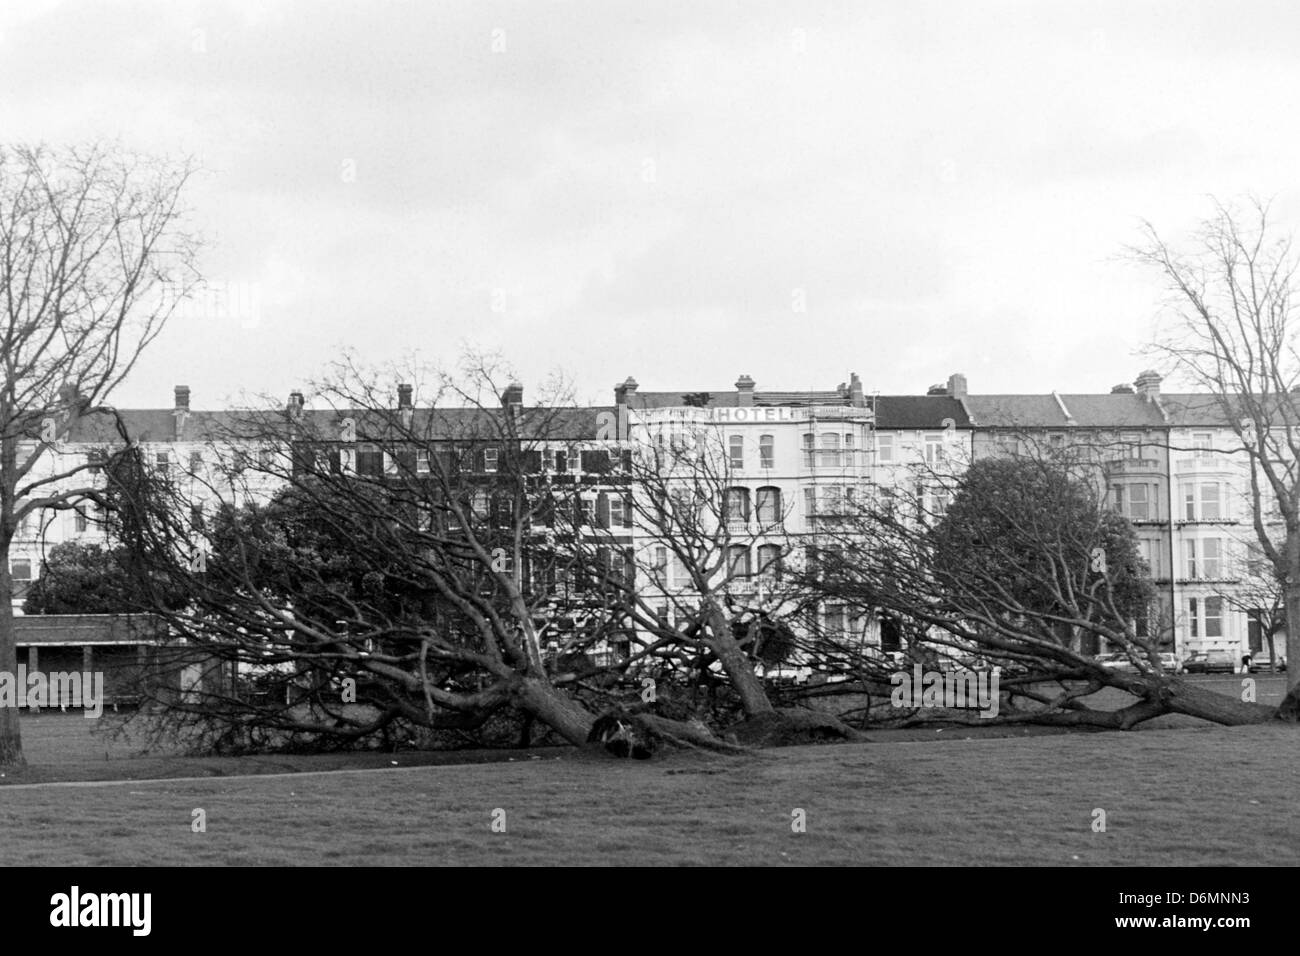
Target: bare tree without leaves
[(94, 257), (1230, 330)]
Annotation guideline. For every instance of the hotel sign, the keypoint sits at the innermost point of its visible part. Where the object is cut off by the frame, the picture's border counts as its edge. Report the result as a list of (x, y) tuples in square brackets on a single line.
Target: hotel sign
[(747, 414)]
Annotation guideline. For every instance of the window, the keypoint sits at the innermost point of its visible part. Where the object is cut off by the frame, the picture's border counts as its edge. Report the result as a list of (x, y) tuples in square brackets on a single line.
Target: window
[(479, 504), (769, 560), (1213, 610), (1212, 558), (933, 449), (490, 459), (833, 620), (620, 512), (196, 462), (659, 565), (1205, 616), (196, 518), (767, 451), (81, 522), (1131, 443), (681, 573), (95, 459), (1189, 558), (20, 569), (738, 561), (1117, 499), (422, 461), (1210, 509), (1202, 444), (370, 460), (808, 439), (849, 445), (1139, 507), (769, 506), (1151, 551), (830, 451), (561, 461), (735, 506), (163, 463), (810, 504), (582, 511), (736, 446), (265, 458), (885, 447)]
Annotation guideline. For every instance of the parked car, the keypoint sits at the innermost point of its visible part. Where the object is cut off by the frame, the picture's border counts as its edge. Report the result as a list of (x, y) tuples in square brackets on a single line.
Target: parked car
[(1170, 663), (1209, 662), (1117, 661), (1258, 666)]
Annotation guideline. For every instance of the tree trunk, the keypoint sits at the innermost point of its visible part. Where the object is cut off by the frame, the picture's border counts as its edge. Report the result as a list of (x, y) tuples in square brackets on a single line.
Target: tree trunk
[(11, 740), (555, 709), (737, 664), (1196, 701), (1292, 628)]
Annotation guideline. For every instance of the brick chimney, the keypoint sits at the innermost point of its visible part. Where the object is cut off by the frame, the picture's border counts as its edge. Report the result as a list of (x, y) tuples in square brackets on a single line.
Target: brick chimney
[(405, 410), (623, 392), (1148, 386), (181, 411), (957, 385), (856, 398), (294, 408), (745, 390), (513, 396)]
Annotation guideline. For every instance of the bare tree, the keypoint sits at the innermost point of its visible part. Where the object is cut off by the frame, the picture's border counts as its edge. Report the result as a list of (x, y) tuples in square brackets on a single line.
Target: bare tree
[(1229, 329), (93, 259)]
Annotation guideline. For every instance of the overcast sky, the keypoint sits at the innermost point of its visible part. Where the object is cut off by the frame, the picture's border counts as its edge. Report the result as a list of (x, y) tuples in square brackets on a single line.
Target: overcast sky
[(681, 192)]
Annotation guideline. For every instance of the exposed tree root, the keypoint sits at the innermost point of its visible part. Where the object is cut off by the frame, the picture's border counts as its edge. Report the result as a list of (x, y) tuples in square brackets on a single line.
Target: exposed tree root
[(791, 726)]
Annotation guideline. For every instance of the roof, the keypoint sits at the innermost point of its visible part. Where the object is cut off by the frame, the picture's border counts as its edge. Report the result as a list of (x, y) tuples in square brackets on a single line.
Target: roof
[(730, 398), (159, 425), (919, 411), (74, 629), (1116, 410)]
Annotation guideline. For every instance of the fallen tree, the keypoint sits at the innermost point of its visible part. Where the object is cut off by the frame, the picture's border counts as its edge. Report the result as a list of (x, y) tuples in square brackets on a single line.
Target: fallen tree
[(1015, 563)]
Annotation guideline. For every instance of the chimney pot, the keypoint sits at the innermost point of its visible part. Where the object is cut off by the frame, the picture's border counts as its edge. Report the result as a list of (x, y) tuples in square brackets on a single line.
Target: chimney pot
[(404, 396), (745, 386), (856, 397), (1148, 385), (182, 396), (624, 390), (295, 405)]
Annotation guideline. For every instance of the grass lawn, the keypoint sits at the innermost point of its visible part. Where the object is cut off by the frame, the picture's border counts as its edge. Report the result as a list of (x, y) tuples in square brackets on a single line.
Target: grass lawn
[(1202, 795)]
